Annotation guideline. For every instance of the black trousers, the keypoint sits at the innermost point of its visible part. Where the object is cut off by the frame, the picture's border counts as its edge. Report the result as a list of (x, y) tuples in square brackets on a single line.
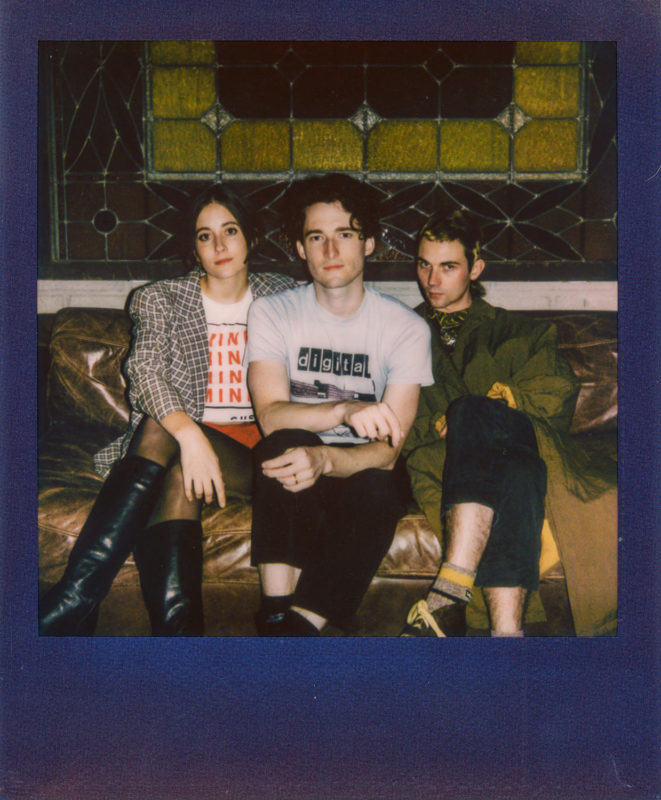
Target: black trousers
[(337, 531), (492, 458)]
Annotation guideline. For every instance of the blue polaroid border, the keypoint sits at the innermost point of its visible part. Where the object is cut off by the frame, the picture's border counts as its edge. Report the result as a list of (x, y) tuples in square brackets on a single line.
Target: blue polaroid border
[(334, 718)]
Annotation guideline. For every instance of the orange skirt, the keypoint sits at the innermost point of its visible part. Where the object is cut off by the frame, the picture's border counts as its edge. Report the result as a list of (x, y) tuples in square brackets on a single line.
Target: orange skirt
[(246, 433)]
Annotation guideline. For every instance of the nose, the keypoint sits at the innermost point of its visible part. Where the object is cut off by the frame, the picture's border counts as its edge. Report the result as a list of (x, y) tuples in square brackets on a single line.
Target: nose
[(330, 248), (220, 243), (434, 278)]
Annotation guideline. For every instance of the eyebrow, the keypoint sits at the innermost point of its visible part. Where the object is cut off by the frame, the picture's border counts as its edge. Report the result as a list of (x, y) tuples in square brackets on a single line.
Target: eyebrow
[(224, 225), (336, 230), (441, 263)]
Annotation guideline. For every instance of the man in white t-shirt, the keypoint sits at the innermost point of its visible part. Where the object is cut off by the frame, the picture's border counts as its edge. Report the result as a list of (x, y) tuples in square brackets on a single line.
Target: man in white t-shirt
[(334, 372)]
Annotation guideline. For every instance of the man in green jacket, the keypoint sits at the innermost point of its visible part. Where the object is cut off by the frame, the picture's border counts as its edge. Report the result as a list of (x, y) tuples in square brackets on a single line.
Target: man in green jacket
[(487, 433)]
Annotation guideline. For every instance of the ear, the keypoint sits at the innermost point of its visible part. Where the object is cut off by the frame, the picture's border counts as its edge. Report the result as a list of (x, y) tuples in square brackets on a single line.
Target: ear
[(476, 269), (301, 250), (370, 244)]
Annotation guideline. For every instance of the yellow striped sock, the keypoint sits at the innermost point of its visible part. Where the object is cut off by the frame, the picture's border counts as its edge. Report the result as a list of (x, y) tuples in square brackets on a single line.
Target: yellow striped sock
[(450, 573)]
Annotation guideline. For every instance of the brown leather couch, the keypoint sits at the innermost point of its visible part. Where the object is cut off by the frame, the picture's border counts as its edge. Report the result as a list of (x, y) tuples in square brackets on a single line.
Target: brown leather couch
[(86, 407)]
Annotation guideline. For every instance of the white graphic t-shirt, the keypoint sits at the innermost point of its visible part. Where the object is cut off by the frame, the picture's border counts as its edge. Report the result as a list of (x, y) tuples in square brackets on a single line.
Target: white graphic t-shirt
[(340, 358), (227, 399)]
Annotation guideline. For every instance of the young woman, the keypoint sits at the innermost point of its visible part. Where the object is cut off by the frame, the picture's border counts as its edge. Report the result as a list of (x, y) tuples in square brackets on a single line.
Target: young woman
[(190, 432)]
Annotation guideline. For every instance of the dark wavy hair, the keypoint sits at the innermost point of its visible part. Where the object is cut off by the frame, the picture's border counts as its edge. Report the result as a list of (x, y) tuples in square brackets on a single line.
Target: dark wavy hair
[(452, 224), (357, 198), (239, 207)]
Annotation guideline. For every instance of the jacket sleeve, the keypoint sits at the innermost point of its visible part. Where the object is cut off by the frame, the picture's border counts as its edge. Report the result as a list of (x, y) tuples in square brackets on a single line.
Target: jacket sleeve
[(149, 363), (423, 429), (543, 384)]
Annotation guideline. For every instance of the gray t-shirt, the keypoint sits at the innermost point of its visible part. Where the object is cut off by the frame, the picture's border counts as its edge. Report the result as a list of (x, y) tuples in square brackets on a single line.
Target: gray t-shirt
[(340, 358)]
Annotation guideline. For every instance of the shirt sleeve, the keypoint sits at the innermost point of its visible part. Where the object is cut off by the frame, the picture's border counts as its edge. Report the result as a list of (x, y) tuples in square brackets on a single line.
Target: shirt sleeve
[(410, 355), (266, 338), (150, 358)]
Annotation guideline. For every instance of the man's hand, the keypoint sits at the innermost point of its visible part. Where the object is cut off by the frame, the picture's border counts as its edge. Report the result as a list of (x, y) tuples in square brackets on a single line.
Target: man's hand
[(297, 468), (200, 467), (374, 421)]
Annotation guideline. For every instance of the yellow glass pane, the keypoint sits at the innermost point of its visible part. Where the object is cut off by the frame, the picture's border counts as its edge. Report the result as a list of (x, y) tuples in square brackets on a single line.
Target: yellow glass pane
[(252, 146), (182, 91), (548, 52), (403, 145), (546, 146), (182, 52), (547, 91), (326, 145), (183, 146), (474, 145)]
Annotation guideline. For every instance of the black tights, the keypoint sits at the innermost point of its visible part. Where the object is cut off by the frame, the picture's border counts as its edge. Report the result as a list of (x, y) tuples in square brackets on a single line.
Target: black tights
[(152, 441)]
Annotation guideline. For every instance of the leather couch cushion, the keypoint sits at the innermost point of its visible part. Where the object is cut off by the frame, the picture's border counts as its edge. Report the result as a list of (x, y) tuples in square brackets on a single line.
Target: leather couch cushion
[(69, 485), (87, 399), (589, 343), (85, 379), (88, 347)]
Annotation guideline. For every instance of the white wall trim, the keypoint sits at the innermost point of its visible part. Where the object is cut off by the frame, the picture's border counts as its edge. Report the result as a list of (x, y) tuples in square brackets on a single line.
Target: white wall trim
[(521, 295)]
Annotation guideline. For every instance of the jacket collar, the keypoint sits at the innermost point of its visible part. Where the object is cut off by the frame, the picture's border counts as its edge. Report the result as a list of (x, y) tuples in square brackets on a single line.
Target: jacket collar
[(479, 309)]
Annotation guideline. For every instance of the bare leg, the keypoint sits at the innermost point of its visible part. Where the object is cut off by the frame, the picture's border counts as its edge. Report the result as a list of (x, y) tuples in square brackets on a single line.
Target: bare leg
[(505, 604), (317, 620), (278, 579), (467, 527)]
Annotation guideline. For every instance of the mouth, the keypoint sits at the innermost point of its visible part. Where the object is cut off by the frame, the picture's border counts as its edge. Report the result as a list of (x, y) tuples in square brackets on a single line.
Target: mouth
[(331, 267), (222, 261)]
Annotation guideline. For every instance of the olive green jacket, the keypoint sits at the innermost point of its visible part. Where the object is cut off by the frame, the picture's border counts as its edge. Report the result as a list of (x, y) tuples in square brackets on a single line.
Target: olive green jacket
[(500, 352)]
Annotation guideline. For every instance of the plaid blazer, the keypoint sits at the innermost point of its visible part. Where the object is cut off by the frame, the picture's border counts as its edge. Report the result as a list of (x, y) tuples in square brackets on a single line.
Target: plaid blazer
[(167, 367)]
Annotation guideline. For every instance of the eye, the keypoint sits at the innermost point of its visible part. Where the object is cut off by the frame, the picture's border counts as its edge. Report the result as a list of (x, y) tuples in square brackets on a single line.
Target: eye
[(232, 230), (203, 237), (423, 265), (346, 235), (314, 237)]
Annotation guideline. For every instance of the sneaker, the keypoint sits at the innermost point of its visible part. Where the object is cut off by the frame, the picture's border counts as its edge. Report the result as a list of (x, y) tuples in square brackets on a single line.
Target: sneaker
[(449, 620)]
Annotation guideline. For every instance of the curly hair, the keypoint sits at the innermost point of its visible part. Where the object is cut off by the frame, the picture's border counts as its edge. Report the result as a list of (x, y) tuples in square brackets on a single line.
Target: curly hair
[(356, 198)]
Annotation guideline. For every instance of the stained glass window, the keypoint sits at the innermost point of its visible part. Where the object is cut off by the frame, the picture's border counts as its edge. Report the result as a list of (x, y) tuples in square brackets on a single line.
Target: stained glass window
[(520, 133)]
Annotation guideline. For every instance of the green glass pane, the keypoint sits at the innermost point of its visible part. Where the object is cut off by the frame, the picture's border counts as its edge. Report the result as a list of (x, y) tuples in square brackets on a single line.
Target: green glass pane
[(327, 145), (546, 146), (468, 145), (256, 146), (403, 145), (548, 52), (547, 91), (182, 91), (182, 52)]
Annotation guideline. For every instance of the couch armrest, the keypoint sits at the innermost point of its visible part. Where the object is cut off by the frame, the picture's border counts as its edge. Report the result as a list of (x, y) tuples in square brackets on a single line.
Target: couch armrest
[(85, 379)]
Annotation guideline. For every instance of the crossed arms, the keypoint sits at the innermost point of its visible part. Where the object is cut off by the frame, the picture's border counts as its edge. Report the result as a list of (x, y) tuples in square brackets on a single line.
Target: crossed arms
[(386, 424)]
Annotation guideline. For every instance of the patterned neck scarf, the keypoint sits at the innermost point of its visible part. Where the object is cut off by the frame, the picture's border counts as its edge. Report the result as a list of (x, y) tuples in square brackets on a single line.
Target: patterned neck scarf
[(448, 324)]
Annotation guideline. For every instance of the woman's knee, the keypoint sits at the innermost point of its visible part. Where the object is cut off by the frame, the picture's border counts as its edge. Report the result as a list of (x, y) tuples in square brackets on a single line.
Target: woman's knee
[(173, 503), (152, 441)]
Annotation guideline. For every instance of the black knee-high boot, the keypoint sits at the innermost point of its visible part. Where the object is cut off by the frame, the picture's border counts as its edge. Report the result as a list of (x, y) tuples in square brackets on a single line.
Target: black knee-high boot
[(169, 560), (122, 509)]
